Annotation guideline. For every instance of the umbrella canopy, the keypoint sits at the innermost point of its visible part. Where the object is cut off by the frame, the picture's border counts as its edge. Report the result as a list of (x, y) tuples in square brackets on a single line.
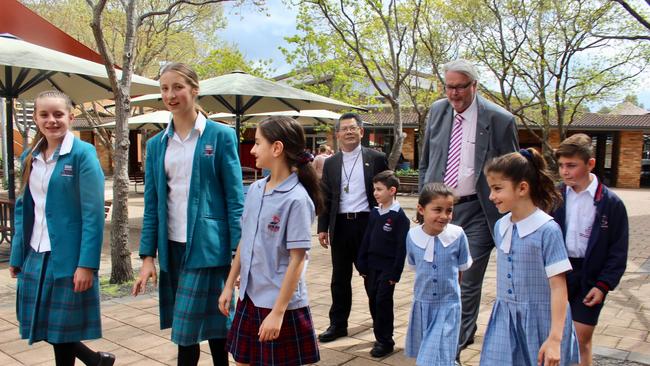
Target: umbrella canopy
[(149, 121), (27, 69), (240, 93), (307, 117)]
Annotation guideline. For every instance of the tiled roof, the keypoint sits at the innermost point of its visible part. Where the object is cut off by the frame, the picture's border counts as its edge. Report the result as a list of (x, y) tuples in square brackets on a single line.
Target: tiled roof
[(628, 109), (612, 121), (382, 119)]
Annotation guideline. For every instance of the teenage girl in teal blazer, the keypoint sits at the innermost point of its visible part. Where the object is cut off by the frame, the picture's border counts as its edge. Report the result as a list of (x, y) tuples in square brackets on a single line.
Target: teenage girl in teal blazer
[(193, 186), (59, 226)]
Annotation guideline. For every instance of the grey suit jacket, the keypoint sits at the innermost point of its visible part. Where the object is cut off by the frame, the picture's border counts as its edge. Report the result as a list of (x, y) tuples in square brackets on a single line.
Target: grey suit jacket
[(496, 134), (373, 162)]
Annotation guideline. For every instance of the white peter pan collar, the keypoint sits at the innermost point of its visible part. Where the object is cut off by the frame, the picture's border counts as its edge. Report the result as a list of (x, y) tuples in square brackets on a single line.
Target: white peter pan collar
[(525, 227), (427, 242)]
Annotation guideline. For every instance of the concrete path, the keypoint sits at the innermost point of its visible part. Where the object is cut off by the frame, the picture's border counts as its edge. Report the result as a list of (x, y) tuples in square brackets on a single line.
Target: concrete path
[(131, 324)]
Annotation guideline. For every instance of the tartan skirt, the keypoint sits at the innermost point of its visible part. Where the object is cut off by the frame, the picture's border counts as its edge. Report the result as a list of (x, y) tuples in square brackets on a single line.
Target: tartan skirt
[(189, 300), (296, 344), (49, 310)]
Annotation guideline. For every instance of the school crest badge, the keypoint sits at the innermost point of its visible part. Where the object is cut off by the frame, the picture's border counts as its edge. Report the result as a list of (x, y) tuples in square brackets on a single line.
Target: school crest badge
[(274, 225), (388, 225)]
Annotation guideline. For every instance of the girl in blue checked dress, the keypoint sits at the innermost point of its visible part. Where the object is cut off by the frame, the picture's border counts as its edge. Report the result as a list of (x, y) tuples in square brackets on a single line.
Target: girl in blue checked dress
[(530, 322), (438, 251), (272, 324), (193, 200), (59, 226)]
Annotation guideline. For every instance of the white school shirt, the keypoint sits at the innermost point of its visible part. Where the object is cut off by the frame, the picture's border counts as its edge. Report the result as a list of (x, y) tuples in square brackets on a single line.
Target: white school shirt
[(39, 180), (355, 200), (179, 159), (580, 215), (466, 179)]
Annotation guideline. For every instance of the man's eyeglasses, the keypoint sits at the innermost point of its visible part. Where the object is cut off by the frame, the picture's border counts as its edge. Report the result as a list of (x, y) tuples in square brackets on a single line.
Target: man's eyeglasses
[(349, 129), (458, 88)]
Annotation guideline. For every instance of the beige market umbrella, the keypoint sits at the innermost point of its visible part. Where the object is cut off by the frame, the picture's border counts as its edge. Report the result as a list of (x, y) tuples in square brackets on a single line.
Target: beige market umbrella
[(27, 69), (240, 94), (156, 121), (306, 117)]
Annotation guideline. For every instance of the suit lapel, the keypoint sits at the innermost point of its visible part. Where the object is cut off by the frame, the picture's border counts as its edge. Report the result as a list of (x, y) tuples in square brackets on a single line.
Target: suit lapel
[(482, 137), (335, 177)]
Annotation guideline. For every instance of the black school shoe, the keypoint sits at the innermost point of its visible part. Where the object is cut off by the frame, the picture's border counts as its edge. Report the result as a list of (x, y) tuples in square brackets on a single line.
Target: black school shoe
[(381, 350), (332, 333), (106, 359)]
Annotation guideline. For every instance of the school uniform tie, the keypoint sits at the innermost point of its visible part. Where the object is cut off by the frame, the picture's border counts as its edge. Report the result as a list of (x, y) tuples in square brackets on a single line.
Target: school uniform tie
[(453, 156)]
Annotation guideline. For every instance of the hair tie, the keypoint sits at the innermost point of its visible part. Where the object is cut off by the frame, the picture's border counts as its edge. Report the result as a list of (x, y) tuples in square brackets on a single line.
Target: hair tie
[(526, 154), (305, 157)]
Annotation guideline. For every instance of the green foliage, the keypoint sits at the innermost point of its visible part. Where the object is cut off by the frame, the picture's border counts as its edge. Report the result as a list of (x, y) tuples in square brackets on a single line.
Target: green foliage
[(228, 58), (322, 62), (407, 173), (181, 36)]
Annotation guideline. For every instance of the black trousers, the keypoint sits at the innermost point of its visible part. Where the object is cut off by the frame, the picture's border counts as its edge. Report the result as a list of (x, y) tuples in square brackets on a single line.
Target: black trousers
[(380, 300), (344, 249)]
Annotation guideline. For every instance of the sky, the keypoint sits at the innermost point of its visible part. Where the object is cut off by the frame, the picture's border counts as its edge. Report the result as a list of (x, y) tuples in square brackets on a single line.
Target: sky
[(258, 34)]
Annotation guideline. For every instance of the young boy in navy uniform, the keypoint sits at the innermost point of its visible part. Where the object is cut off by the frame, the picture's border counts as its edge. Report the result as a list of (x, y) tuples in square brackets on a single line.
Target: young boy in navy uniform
[(381, 258), (594, 223)]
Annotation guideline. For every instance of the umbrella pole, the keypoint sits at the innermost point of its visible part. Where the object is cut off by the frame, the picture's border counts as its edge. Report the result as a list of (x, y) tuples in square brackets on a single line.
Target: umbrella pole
[(11, 180), (238, 127)]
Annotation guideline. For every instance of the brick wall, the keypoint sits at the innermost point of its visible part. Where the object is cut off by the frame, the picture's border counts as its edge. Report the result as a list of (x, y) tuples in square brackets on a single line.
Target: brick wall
[(629, 159), (103, 154)]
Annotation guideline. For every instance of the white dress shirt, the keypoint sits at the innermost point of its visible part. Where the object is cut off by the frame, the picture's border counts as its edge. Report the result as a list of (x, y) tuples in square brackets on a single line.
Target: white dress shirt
[(580, 215), (355, 199), (39, 180), (179, 159), (466, 179)]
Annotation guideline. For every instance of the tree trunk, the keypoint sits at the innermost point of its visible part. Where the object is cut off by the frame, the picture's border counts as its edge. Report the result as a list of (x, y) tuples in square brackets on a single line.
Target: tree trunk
[(121, 269), (398, 139)]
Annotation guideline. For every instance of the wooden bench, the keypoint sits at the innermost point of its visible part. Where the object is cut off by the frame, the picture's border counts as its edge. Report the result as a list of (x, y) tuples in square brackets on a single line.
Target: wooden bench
[(107, 208), (408, 184), (136, 178)]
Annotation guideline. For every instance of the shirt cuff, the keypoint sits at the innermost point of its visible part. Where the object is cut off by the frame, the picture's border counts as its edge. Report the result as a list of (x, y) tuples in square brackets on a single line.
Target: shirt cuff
[(558, 267), (465, 266), (299, 244)]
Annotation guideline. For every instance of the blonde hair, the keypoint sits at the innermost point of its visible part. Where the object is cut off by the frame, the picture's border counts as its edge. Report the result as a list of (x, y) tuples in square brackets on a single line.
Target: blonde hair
[(27, 163)]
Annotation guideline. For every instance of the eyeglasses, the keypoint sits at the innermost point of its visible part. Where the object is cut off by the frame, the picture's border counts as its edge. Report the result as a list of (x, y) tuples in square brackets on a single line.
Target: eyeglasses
[(458, 88), (349, 129)]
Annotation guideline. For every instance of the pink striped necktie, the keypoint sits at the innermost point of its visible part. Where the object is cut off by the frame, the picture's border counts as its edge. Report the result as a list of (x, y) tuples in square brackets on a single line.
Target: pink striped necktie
[(453, 158)]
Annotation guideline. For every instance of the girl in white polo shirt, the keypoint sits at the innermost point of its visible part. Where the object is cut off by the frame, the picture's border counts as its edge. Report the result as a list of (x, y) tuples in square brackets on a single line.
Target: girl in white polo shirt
[(272, 322)]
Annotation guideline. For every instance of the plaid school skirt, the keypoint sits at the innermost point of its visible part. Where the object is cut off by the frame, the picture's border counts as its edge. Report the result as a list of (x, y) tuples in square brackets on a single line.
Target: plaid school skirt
[(189, 300), (49, 310), (296, 344)]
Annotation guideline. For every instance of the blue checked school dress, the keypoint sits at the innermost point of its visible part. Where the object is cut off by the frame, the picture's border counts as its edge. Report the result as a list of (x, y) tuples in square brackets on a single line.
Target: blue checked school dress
[(434, 324), (529, 253)]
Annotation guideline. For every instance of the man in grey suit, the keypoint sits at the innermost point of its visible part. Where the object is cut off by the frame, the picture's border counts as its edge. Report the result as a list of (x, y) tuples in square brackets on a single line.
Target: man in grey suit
[(478, 130)]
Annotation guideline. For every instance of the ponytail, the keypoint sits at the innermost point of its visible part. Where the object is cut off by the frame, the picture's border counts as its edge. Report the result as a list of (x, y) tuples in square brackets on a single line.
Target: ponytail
[(288, 131), (309, 179), (528, 165)]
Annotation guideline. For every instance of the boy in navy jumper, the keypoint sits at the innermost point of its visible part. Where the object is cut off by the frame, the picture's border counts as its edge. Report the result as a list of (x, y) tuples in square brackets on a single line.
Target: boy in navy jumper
[(594, 223), (381, 258)]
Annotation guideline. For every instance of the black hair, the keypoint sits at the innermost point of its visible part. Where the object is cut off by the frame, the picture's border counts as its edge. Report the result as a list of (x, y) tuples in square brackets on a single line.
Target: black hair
[(430, 192), (387, 178), (529, 166), (349, 115), (288, 131)]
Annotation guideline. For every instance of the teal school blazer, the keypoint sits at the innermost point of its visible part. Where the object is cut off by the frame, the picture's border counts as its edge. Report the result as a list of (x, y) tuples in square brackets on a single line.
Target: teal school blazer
[(74, 210), (215, 202)]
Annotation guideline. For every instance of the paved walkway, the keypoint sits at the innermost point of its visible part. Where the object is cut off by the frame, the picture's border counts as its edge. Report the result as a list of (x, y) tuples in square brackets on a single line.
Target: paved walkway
[(131, 324)]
